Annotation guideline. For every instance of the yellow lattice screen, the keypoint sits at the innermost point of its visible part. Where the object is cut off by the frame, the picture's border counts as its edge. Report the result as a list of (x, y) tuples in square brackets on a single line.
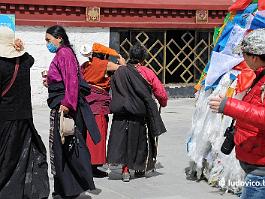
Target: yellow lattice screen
[(175, 56)]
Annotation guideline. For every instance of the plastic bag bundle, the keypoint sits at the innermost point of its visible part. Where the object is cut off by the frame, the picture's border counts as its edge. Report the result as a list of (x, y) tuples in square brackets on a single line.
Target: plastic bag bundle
[(225, 74), (206, 138), (205, 123)]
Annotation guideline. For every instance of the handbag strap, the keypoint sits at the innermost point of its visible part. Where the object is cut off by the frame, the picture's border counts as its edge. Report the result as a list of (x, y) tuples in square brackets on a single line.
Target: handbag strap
[(13, 78), (232, 123)]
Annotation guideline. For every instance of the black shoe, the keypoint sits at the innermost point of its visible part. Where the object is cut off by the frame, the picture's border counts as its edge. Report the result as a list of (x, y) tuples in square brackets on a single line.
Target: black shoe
[(139, 173), (57, 196), (99, 174), (95, 191)]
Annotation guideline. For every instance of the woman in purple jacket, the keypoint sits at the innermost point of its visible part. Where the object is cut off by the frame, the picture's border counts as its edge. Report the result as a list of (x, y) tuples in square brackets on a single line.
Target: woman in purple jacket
[(69, 160)]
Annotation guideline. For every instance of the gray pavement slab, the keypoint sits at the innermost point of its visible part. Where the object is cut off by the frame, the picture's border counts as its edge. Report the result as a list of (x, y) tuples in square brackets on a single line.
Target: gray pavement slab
[(168, 181)]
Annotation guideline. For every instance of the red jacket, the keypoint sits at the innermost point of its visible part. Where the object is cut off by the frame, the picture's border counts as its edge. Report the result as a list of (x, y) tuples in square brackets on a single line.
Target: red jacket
[(158, 89), (250, 125)]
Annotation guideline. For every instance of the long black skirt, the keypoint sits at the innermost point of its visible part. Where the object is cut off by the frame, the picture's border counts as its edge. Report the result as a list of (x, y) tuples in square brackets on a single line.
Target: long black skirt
[(131, 144), (23, 165), (70, 162)]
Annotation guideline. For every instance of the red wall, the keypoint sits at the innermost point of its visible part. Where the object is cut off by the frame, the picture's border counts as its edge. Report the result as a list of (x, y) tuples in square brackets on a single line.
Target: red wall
[(136, 14)]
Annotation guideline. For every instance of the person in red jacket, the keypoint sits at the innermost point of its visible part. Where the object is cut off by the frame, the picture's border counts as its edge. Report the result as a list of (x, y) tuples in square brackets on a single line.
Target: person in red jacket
[(136, 121), (249, 114)]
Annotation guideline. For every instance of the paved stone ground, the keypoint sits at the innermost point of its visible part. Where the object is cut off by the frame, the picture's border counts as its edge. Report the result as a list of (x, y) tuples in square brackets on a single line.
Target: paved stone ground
[(168, 181)]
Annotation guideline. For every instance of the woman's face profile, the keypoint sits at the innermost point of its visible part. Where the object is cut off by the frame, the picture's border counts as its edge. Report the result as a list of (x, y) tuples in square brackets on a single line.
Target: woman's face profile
[(56, 41), (252, 61)]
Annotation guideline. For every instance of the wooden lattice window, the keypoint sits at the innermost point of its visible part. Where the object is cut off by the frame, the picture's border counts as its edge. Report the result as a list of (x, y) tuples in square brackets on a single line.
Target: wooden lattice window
[(176, 56)]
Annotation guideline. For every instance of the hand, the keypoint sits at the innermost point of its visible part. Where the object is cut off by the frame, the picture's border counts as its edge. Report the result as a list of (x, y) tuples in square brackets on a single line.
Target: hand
[(44, 82), (64, 109), (18, 45), (214, 103), (121, 60), (44, 73)]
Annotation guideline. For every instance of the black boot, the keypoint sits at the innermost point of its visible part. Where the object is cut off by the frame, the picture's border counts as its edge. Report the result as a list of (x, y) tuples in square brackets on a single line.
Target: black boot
[(97, 173), (139, 173)]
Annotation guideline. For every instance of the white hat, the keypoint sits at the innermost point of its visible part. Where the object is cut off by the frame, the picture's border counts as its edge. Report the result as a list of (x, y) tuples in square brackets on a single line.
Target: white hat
[(253, 43), (7, 49), (85, 50)]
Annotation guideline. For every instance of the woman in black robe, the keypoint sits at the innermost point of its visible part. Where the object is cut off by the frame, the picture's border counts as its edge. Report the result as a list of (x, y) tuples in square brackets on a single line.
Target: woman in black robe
[(70, 160), (134, 109), (23, 165)]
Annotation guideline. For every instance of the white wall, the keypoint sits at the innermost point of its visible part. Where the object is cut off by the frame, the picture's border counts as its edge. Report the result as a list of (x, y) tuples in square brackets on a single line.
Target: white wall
[(34, 39)]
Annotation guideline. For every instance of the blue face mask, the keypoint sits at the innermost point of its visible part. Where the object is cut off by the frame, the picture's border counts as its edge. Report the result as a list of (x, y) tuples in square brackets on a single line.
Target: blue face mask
[(52, 48)]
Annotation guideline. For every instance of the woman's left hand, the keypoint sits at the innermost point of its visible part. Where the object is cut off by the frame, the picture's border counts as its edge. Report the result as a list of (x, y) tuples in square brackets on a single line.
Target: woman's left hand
[(214, 103), (18, 45), (64, 109)]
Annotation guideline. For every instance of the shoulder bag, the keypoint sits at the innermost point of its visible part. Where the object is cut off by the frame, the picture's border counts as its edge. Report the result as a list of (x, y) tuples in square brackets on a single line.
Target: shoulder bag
[(13, 78)]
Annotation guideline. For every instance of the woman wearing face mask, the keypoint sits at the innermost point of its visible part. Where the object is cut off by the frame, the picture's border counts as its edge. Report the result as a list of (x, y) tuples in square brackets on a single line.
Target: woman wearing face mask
[(70, 160)]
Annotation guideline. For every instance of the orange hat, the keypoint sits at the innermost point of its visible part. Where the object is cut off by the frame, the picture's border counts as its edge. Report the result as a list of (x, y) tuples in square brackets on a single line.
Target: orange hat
[(99, 48)]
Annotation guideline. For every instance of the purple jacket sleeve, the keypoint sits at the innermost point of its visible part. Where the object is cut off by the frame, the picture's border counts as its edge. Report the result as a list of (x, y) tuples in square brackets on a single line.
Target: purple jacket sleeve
[(68, 66)]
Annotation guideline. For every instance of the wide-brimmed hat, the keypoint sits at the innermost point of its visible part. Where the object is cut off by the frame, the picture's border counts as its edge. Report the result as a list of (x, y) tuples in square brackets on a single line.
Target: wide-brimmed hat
[(7, 49), (253, 43)]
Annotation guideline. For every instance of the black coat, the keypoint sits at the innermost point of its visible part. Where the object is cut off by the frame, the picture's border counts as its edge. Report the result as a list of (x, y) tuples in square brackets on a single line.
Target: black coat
[(16, 104), (71, 160), (84, 117), (132, 96), (133, 106)]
